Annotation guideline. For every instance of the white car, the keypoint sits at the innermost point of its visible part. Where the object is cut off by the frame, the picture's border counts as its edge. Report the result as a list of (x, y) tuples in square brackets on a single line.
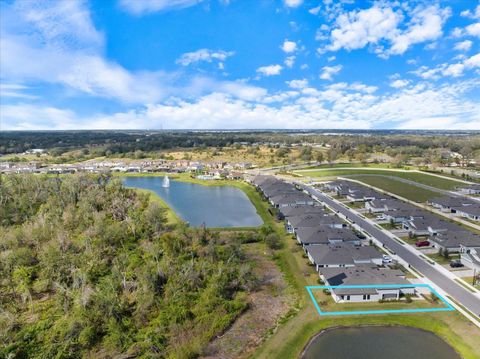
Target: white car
[(387, 259)]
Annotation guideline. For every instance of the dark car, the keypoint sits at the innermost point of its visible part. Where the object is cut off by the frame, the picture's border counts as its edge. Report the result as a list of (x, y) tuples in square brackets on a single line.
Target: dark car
[(456, 264), (422, 243)]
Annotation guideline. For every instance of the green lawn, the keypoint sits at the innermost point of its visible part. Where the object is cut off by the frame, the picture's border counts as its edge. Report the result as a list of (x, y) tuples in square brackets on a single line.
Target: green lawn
[(401, 189), (356, 164), (470, 280), (441, 259), (423, 178)]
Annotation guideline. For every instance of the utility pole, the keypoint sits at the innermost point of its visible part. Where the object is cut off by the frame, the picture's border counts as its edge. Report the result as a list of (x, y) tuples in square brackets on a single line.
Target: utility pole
[(474, 278)]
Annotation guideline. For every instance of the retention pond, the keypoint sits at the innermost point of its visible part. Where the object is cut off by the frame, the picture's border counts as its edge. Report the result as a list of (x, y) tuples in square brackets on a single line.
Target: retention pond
[(375, 342), (214, 206)]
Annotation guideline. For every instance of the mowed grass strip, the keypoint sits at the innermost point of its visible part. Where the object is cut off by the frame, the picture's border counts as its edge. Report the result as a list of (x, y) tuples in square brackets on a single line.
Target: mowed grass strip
[(401, 189), (419, 177)]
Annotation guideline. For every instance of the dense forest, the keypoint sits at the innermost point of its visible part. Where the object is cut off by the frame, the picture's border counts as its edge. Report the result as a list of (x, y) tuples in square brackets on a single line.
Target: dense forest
[(89, 268), (130, 143)]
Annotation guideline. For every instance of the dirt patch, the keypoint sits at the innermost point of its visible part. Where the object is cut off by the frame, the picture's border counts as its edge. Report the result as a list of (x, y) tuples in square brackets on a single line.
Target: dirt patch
[(268, 304)]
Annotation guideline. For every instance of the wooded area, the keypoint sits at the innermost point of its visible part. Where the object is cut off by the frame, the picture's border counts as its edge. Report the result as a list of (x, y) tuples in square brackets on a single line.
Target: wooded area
[(90, 268)]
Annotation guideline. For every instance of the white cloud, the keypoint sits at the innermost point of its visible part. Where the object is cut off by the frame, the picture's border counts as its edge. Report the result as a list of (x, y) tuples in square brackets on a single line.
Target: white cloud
[(463, 45), (204, 55), (329, 71), (270, 70), (289, 61), (356, 29), (314, 10), (425, 25), (470, 30), (338, 105), (399, 83), (380, 25), (473, 29), (289, 46), (298, 84), (449, 70), (15, 90), (293, 3), (139, 7), (471, 14), (56, 42)]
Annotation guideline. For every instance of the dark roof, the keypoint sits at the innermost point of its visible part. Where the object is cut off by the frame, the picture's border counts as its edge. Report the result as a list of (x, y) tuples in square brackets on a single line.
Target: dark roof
[(313, 220), (449, 202), (291, 198), (455, 239), (298, 211), (342, 253), (362, 275), (473, 210), (323, 234)]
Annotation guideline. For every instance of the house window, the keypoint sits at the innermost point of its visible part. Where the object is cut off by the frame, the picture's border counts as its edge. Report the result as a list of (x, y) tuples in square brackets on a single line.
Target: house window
[(348, 297)]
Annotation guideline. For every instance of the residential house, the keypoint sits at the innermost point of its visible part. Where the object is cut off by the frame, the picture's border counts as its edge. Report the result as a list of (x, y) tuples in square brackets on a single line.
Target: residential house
[(470, 212), (292, 200), (470, 256), (472, 189), (454, 240), (312, 220), (366, 276), (449, 204), (343, 255), (325, 235)]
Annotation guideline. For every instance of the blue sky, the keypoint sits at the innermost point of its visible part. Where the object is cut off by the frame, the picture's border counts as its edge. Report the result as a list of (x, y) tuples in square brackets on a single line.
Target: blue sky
[(151, 64)]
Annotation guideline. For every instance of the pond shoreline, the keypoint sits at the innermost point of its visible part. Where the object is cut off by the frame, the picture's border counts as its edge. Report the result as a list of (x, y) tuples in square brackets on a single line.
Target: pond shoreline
[(337, 327), (232, 206)]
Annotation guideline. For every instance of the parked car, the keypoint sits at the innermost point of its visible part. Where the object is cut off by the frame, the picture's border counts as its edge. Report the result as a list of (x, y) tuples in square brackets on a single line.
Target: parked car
[(422, 243), (456, 264), (386, 259)]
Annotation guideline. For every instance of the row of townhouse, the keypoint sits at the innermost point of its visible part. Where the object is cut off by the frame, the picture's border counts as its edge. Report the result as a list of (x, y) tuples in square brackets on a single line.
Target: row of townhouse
[(332, 247), (464, 207), (471, 189), (418, 222)]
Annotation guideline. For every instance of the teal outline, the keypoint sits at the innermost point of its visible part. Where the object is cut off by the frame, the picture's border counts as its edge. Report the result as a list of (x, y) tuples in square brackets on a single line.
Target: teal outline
[(387, 311)]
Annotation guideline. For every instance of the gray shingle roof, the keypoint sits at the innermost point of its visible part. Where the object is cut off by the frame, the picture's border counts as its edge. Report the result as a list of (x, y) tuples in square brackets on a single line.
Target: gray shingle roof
[(342, 253), (324, 234)]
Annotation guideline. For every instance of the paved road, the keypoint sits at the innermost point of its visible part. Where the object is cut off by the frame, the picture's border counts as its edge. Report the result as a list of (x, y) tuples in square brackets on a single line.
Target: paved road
[(452, 288)]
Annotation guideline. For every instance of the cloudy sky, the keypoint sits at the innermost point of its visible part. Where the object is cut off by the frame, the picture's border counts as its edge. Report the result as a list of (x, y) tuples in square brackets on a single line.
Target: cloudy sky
[(224, 64)]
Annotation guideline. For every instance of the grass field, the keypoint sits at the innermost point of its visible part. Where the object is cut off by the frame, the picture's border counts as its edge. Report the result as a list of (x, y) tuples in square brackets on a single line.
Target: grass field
[(359, 165), (423, 178), (401, 189)]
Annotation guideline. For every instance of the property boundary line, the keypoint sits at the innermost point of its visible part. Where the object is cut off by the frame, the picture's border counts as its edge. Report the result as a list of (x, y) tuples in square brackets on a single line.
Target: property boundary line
[(448, 306)]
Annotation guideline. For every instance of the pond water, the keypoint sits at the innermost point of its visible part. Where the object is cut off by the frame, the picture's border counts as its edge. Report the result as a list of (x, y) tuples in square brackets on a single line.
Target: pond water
[(216, 206), (378, 342)]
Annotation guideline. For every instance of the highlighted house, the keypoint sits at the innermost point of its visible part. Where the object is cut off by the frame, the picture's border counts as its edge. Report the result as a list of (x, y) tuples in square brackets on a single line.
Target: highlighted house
[(391, 284)]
